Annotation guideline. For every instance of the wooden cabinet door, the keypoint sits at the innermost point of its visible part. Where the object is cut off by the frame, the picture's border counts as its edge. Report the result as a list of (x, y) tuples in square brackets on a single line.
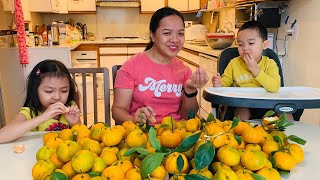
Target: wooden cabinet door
[(81, 5), (180, 5), (109, 61), (150, 6), (44, 6), (8, 5), (63, 6), (194, 5)]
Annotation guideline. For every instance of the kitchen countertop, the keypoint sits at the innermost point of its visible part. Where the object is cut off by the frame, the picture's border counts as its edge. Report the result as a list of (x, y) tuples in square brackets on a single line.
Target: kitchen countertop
[(201, 49)]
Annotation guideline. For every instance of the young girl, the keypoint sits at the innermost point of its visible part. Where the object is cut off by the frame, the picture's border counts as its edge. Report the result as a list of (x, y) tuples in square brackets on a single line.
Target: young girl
[(50, 103)]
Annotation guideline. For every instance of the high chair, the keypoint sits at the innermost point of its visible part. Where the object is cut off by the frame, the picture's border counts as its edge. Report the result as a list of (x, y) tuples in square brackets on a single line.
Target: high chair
[(224, 58), (84, 76)]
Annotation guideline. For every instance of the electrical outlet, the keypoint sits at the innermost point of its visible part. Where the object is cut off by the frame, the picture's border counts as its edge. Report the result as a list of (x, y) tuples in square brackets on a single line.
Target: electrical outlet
[(293, 33)]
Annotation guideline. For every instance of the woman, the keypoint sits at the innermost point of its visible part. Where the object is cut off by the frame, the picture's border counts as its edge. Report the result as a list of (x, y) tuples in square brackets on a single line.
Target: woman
[(154, 83)]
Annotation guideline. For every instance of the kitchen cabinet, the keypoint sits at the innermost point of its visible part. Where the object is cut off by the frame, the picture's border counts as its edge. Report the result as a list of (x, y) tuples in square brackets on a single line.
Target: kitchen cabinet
[(209, 64), (184, 5), (8, 6), (81, 5), (112, 55), (117, 55), (148, 6), (63, 6), (44, 6)]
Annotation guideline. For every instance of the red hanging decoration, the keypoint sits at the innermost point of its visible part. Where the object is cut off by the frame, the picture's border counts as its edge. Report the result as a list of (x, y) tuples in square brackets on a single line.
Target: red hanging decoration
[(18, 13)]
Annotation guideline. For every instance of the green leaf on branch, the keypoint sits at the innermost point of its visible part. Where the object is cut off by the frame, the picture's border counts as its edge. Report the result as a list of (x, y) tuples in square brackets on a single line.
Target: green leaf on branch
[(180, 163), (94, 174), (281, 121), (296, 139), (58, 176), (191, 114), (257, 176), (150, 163), (139, 150), (283, 172), (277, 139), (235, 122), (195, 177), (210, 117), (153, 140), (238, 138), (268, 114), (187, 143), (204, 155)]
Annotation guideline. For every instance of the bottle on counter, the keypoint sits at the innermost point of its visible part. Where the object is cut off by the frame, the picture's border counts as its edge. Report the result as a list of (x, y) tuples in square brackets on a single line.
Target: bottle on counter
[(50, 43)]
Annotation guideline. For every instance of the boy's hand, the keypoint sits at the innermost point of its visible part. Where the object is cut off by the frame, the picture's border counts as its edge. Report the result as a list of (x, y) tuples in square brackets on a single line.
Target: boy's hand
[(251, 63), (54, 110), (216, 80), (72, 115)]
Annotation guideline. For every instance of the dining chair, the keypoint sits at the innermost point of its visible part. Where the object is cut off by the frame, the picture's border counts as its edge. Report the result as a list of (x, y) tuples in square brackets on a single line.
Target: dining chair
[(83, 76), (115, 68), (2, 113)]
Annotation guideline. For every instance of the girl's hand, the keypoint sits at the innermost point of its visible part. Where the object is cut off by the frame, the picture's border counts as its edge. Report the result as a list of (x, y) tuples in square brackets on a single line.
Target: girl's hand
[(198, 79), (72, 115), (54, 110), (144, 114), (216, 80), (251, 63)]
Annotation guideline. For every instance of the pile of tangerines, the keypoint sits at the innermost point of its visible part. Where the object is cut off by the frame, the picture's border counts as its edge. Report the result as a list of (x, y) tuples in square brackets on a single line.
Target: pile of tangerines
[(196, 148)]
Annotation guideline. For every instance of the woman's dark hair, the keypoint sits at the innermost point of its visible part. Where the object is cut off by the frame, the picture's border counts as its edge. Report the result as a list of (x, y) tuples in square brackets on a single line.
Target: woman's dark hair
[(256, 25), (157, 17), (44, 69)]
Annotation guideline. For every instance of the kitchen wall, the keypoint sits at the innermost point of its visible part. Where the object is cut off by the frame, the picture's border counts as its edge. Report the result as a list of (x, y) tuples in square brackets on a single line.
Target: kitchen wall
[(113, 21), (5, 18), (301, 64)]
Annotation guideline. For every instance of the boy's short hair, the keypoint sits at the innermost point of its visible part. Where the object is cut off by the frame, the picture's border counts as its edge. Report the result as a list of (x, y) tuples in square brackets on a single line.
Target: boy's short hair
[(256, 25)]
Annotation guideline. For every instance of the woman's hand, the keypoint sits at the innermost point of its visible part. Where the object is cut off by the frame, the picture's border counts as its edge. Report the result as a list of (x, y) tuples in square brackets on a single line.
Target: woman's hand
[(198, 79), (54, 110), (72, 115), (144, 114), (216, 80)]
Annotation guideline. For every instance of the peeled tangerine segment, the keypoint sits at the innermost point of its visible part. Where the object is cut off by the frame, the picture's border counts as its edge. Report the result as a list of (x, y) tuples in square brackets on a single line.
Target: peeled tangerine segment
[(19, 148)]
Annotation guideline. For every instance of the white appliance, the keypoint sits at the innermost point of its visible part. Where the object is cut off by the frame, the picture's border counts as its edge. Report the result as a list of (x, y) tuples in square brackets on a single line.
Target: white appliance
[(209, 64), (196, 32), (84, 59)]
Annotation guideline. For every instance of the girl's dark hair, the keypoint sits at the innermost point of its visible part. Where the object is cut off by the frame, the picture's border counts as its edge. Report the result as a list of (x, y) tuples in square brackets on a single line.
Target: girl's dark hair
[(44, 69), (256, 25), (157, 17)]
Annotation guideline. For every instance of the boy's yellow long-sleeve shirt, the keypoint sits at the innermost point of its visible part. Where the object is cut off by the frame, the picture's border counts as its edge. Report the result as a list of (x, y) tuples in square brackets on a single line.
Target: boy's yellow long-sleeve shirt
[(237, 74)]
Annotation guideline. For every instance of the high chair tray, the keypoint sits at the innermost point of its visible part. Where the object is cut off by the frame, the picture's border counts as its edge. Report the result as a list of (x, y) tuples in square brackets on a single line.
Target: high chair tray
[(297, 97)]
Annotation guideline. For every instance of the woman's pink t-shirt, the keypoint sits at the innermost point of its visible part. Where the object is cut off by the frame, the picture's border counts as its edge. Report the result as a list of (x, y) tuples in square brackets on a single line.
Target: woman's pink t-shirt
[(156, 85)]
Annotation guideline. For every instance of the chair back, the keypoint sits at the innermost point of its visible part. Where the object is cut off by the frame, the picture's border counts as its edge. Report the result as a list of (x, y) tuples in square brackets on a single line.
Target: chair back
[(115, 68), (86, 75), (2, 113), (229, 53)]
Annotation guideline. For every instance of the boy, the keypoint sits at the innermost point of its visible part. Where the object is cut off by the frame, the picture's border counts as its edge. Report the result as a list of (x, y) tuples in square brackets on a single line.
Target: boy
[(250, 69)]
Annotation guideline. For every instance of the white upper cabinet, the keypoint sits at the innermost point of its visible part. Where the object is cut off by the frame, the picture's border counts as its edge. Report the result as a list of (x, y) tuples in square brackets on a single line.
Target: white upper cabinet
[(151, 5), (63, 6), (184, 5), (44, 6), (8, 6), (180, 5), (81, 5), (194, 5)]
